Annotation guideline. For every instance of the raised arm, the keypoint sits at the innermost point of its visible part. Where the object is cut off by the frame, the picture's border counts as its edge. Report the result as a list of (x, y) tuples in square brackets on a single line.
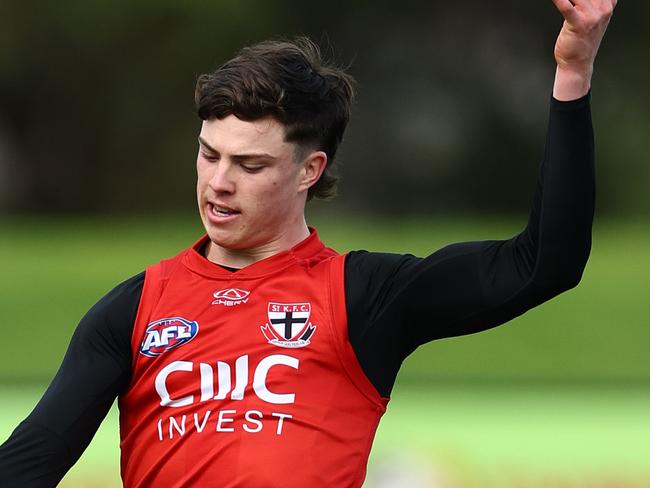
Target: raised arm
[(397, 302), (96, 368)]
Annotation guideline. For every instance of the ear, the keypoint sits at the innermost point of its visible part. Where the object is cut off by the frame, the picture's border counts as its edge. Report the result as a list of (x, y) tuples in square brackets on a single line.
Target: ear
[(312, 169)]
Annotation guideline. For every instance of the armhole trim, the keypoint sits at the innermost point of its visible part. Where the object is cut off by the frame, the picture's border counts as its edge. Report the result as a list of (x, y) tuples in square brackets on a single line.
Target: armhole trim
[(151, 291), (343, 347)]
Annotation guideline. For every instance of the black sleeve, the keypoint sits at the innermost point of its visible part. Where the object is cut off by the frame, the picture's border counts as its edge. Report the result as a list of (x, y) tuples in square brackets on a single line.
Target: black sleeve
[(397, 302), (95, 369)]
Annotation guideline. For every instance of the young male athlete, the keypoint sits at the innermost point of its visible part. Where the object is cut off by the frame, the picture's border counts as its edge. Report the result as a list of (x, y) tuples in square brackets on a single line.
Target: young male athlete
[(259, 357)]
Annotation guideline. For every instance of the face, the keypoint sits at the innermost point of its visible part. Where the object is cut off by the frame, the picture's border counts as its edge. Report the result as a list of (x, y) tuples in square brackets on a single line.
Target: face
[(251, 190)]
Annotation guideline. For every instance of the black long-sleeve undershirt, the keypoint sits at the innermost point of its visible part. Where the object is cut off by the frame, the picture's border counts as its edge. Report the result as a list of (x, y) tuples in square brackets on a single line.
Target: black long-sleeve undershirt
[(472, 286), (95, 369), (460, 289)]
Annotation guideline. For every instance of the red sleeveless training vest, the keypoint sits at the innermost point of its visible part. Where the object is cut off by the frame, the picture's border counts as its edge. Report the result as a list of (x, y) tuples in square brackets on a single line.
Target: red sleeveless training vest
[(246, 379)]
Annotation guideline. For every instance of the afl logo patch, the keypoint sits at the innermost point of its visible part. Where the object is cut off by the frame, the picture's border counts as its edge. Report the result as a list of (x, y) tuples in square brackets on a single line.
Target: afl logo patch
[(165, 334)]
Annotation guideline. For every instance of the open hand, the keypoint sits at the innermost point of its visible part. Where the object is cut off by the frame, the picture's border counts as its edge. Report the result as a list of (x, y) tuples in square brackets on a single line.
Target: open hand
[(585, 22)]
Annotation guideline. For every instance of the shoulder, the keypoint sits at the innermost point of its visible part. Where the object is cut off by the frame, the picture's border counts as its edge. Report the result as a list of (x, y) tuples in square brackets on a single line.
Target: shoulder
[(372, 278), (113, 316), (374, 265), (124, 295)]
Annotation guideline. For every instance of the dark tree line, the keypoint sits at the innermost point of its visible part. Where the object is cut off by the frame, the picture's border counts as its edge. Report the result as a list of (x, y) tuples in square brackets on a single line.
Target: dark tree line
[(96, 100)]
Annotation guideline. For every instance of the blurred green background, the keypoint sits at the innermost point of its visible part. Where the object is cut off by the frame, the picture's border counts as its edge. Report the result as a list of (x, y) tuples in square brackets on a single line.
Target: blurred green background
[(556, 398), (97, 148)]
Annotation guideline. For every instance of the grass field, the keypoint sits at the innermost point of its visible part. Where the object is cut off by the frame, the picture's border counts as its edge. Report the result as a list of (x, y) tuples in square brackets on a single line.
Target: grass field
[(53, 271), (460, 437), (557, 398)]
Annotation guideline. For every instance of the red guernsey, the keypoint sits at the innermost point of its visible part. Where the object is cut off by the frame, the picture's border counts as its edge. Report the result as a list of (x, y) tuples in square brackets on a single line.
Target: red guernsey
[(259, 387)]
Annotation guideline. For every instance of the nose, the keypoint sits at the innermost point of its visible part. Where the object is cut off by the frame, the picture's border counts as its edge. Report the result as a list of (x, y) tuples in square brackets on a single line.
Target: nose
[(221, 180)]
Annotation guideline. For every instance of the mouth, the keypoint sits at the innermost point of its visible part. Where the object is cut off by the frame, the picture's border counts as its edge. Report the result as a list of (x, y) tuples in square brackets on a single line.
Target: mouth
[(218, 213), (222, 210)]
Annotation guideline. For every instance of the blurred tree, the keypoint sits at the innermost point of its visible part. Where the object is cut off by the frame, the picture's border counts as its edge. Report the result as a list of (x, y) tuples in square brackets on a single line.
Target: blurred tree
[(96, 100)]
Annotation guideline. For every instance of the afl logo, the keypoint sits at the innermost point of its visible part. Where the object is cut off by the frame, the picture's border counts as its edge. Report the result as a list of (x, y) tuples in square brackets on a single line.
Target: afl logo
[(165, 334), (230, 297)]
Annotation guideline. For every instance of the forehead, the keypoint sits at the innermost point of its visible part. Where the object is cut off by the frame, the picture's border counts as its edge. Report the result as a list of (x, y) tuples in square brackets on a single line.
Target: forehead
[(231, 135)]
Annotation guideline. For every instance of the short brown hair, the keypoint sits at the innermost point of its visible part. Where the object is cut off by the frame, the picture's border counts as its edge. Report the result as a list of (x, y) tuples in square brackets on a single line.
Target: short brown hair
[(287, 80)]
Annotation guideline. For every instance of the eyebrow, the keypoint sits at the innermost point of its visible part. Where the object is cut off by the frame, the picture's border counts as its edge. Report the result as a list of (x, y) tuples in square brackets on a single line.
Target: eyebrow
[(237, 157)]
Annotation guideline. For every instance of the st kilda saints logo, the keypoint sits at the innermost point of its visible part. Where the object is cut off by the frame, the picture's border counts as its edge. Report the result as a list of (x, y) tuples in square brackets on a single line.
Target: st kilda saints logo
[(288, 324), (165, 334)]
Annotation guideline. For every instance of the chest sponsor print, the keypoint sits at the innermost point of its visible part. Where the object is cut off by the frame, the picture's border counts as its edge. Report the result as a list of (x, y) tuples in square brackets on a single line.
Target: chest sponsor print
[(168, 333), (288, 324), (230, 297)]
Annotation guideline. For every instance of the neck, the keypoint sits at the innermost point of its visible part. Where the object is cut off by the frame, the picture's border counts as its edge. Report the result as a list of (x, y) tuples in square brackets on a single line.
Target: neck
[(240, 258)]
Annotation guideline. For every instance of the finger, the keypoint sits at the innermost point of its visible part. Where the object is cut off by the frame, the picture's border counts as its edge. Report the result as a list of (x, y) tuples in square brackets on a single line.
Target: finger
[(605, 6), (608, 6), (607, 3), (586, 7), (600, 9), (567, 9)]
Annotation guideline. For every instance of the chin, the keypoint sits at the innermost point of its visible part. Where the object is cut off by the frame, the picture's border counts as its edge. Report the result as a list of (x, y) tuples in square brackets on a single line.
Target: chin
[(227, 239)]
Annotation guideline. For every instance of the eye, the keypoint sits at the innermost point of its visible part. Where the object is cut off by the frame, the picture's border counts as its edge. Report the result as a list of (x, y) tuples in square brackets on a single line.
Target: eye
[(209, 157), (250, 168)]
